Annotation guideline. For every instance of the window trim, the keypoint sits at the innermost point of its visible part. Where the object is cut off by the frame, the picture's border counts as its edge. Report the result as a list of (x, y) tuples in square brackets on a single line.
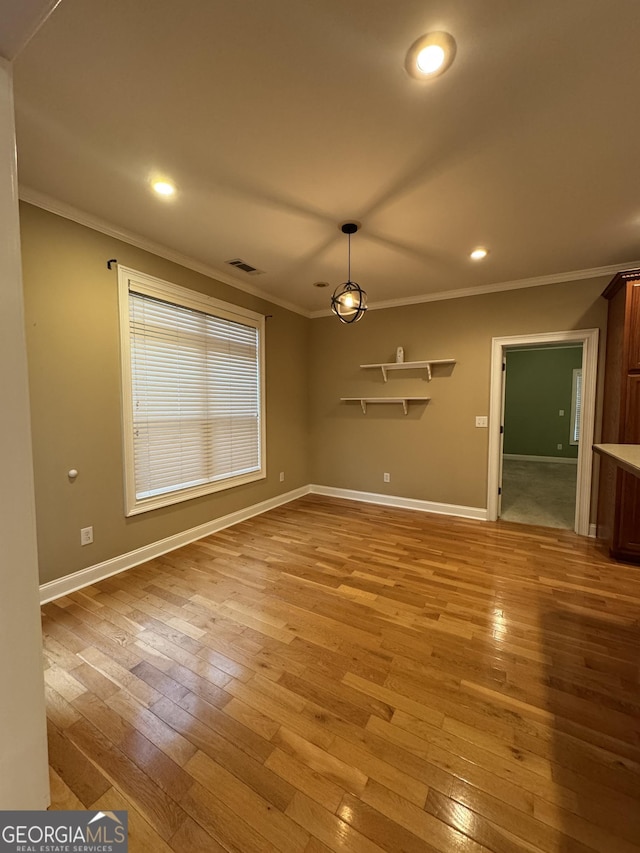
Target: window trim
[(147, 285)]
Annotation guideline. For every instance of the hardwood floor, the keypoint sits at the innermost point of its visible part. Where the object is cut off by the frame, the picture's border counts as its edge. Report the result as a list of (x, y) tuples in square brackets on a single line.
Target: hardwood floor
[(336, 676)]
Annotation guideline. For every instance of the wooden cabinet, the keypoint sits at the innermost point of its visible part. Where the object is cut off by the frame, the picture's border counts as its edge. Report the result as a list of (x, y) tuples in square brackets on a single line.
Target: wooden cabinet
[(632, 407), (619, 491), (633, 314)]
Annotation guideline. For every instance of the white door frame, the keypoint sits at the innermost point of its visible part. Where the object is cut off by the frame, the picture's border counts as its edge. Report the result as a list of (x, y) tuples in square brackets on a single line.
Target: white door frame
[(589, 340), (24, 775)]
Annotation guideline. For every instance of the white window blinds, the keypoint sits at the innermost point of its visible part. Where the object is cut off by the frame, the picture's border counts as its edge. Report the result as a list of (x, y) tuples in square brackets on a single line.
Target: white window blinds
[(576, 405), (195, 400)]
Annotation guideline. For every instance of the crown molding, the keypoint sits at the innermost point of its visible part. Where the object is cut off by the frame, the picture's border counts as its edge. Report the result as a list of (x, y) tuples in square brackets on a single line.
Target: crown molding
[(22, 21), (31, 196), (520, 284), (60, 208)]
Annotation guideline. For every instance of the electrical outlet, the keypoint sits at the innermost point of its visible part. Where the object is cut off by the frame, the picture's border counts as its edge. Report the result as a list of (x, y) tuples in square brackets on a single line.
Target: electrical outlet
[(86, 536), (482, 420), (559, 446), (282, 476), (386, 478)]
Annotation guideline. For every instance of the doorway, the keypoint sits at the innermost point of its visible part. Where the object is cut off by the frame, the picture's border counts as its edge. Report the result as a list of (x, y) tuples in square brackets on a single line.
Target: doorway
[(541, 436), (588, 340)]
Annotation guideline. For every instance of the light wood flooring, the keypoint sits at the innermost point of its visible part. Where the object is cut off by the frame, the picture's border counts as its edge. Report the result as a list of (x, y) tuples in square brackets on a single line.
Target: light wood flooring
[(335, 676)]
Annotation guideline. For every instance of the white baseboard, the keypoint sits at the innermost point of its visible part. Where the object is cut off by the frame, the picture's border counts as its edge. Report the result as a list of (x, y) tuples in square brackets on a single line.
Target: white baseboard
[(403, 503), (85, 577), (520, 457), (593, 531), (93, 574)]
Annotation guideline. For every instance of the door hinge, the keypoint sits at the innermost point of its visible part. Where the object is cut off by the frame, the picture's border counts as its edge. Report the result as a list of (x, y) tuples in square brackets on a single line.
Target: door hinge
[(501, 429), (504, 365), (499, 490)]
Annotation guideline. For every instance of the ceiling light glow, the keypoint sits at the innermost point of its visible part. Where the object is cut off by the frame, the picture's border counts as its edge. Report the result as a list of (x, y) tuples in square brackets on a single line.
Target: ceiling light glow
[(479, 254), (430, 59), (163, 188), (430, 55)]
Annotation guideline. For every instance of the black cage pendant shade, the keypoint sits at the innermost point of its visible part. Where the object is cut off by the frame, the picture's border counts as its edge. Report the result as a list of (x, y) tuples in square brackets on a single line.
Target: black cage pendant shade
[(349, 301)]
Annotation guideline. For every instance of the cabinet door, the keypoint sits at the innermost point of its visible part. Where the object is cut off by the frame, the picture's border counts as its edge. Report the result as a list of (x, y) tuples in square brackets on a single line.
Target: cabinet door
[(632, 322), (608, 483), (631, 427), (626, 542)]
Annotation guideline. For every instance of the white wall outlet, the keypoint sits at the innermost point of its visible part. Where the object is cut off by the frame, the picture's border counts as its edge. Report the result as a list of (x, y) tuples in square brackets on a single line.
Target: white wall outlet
[(561, 413), (86, 536), (282, 476), (482, 420), (559, 446), (386, 478)]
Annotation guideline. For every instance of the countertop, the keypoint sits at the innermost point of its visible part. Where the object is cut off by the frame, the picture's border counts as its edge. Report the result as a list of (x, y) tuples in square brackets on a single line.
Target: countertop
[(627, 456)]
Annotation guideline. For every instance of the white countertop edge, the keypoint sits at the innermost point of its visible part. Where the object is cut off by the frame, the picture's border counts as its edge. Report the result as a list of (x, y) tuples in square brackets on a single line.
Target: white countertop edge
[(627, 456)]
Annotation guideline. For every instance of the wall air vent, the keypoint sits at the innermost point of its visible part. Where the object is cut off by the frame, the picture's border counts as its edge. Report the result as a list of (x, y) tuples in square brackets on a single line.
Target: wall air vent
[(238, 263)]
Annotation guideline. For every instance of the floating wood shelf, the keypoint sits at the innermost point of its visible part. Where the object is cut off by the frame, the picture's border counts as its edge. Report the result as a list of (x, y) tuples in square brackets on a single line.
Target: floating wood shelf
[(403, 400), (427, 364)]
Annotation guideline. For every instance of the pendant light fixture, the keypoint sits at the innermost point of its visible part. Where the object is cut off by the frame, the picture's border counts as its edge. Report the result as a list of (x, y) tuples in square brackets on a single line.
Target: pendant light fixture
[(349, 301)]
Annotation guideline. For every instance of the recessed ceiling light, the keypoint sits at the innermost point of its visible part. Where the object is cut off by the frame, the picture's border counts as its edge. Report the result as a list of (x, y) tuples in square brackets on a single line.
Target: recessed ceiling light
[(321, 284), (430, 55), (479, 254), (430, 59), (163, 188)]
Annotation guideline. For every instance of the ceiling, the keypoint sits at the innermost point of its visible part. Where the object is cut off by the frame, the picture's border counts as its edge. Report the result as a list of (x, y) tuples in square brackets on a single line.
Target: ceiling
[(279, 120), (20, 20)]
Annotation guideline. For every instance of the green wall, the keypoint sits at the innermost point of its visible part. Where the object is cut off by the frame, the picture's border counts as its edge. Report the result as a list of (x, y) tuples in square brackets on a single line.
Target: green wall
[(538, 386)]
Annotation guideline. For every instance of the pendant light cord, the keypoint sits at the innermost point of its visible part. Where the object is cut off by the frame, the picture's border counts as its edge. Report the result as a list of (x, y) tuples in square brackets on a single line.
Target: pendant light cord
[(349, 276)]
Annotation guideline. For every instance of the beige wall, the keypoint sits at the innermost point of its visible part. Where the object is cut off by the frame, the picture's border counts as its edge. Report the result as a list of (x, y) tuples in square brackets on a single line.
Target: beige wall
[(435, 453), (73, 347)]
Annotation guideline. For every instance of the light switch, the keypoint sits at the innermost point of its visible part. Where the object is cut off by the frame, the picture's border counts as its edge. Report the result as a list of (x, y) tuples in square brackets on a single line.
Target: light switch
[(561, 413)]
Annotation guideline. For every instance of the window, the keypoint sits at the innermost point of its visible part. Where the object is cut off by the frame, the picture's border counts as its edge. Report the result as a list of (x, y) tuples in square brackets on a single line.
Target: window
[(576, 406), (193, 393)]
